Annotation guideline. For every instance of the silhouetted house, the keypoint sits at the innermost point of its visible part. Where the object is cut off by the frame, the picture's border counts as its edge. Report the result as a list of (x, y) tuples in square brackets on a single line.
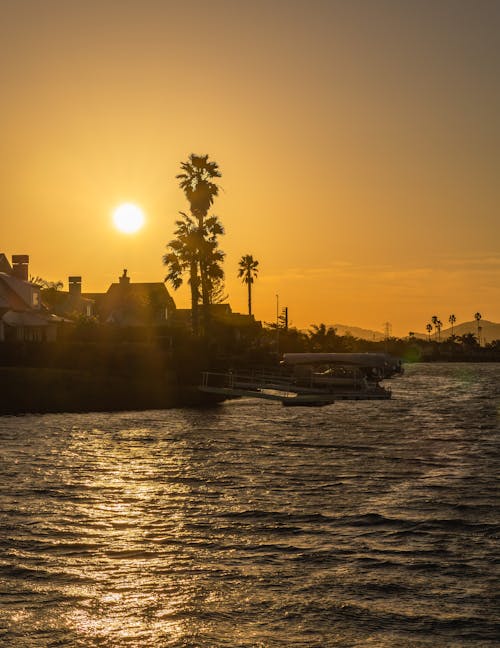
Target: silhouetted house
[(129, 304), (222, 316), (69, 304), (22, 316)]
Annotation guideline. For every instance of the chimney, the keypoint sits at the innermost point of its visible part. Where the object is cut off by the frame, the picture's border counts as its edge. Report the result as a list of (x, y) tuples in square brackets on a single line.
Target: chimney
[(124, 280), (75, 286), (20, 266)]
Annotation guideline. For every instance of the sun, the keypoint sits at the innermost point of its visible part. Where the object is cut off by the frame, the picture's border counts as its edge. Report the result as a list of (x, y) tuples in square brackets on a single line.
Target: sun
[(128, 218)]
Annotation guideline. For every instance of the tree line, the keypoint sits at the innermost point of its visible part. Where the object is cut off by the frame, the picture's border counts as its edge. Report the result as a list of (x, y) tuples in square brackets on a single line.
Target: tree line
[(438, 325)]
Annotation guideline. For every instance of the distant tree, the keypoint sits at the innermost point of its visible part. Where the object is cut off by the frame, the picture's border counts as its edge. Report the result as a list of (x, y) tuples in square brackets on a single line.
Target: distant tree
[(468, 340), (437, 325), (47, 285), (218, 293), (452, 319), (322, 338), (49, 291), (477, 317), (247, 272), (429, 330)]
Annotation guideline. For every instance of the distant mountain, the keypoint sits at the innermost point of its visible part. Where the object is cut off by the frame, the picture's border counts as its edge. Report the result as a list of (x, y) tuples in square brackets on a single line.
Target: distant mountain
[(358, 332), (489, 331)]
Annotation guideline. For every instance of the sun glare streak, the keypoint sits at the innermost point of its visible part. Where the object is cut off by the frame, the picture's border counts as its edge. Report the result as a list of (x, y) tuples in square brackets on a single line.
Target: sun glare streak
[(128, 218)]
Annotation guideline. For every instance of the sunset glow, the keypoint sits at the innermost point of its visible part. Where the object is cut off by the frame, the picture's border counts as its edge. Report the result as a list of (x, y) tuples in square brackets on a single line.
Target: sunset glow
[(128, 218), (356, 141)]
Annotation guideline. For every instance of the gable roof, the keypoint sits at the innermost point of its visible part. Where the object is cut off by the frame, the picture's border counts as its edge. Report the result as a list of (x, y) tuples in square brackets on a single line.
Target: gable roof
[(4, 264), (15, 293)]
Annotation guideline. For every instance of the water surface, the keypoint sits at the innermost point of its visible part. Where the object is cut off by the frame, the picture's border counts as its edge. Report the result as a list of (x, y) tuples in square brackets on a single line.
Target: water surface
[(357, 524)]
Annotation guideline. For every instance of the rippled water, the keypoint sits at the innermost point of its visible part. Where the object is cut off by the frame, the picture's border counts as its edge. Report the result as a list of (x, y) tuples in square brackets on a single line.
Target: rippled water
[(357, 524)]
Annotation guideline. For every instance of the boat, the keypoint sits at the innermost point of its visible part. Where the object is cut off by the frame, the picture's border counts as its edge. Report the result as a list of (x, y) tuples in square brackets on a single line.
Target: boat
[(312, 379)]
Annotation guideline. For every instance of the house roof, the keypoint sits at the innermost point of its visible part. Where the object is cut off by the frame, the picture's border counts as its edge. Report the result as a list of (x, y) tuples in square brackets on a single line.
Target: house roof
[(4, 264), (64, 302), (131, 304), (25, 318), (139, 288), (221, 313), (12, 290), (120, 291)]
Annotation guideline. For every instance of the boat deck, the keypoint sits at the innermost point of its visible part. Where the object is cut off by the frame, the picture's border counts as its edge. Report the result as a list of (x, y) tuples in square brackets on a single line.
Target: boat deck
[(289, 390)]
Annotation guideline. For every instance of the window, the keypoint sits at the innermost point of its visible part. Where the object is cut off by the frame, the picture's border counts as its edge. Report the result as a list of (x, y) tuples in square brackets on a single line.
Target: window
[(35, 299)]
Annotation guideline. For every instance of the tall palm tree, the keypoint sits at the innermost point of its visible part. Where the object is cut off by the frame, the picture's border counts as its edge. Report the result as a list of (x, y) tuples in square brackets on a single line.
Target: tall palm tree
[(197, 252), (182, 257), (435, 320), (452, 319), (429, 330), (437, 325), (477, 317), (197, 182), (247, 272), (210, 256)]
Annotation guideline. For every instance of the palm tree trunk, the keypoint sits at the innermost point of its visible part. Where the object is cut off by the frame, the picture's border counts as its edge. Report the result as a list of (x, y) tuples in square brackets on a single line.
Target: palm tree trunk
[(205, 295), (194, 297), (249, 298)]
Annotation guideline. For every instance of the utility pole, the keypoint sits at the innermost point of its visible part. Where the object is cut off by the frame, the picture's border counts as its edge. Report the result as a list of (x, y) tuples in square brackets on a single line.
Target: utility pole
[(283, 318), (387, 333), (277, 324)]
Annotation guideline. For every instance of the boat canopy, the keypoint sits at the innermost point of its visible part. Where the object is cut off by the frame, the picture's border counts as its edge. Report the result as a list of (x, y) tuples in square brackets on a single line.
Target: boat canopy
[(354, 359)]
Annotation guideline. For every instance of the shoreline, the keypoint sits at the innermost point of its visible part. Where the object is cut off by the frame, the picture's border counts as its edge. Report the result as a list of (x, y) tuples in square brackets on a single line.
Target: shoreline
[(42, 390), (33, 390)]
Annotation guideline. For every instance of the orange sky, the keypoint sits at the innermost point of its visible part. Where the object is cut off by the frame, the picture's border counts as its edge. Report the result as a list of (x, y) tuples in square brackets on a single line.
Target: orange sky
[(358, 141)]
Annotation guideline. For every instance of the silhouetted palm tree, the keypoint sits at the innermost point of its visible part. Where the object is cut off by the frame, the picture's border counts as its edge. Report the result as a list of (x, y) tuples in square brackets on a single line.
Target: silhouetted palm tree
[(197, 252), (197, 182), (437, 325), (211, 257), (452, 319), (429, 330), (182, 257), (248, 271), (477, 317)]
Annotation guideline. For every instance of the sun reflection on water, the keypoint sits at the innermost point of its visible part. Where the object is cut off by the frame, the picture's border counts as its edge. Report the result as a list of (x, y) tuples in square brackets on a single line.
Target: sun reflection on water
[(127, 490)]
